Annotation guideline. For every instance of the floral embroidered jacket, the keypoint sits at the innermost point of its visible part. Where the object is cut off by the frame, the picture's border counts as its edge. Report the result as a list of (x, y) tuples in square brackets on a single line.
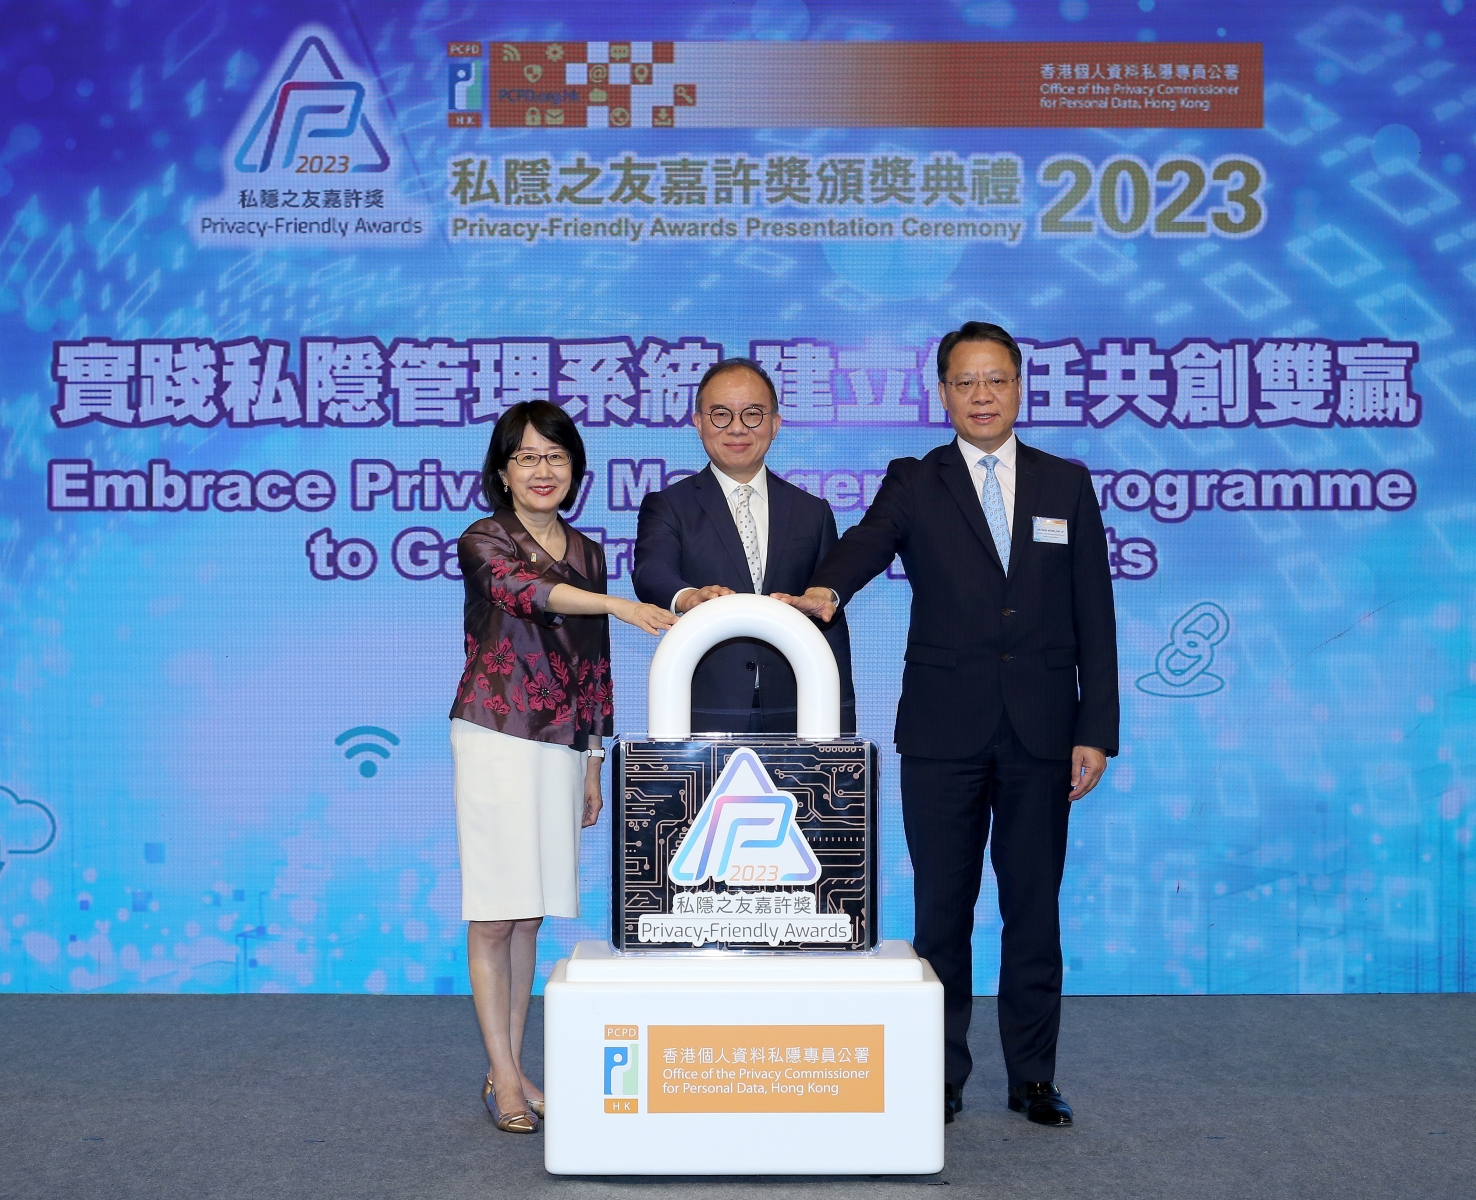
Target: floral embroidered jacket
[(529, 672)]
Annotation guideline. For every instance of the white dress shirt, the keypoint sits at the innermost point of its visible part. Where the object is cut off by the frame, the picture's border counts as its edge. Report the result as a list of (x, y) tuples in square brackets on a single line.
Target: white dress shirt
[(758, 509), (1004, 471)]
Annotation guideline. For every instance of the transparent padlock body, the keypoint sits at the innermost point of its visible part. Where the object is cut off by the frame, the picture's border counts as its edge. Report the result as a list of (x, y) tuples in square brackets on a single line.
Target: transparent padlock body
[(745, 842)]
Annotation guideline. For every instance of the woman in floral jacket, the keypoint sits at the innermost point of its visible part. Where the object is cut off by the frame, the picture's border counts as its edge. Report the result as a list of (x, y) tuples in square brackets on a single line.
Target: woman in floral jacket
[(531, 709)]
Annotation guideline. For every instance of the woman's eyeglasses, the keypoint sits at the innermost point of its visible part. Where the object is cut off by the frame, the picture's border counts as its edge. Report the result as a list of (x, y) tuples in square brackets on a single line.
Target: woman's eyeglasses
[(531, 458)]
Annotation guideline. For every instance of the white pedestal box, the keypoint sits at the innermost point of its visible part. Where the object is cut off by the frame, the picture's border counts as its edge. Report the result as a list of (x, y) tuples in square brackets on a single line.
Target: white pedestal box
[(811, 1053), (743, 1064)]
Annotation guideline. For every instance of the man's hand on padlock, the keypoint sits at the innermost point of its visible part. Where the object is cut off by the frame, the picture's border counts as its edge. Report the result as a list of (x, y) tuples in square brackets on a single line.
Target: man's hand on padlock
[(817, 602), (692, 597)]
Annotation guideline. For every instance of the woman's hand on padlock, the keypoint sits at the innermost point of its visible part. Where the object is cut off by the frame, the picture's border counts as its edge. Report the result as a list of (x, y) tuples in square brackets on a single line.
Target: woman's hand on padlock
[(650, 617)]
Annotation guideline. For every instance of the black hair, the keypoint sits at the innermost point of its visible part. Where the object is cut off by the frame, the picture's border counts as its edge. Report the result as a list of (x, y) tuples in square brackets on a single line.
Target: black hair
[(507, 435), (723, 366), (976, 331)]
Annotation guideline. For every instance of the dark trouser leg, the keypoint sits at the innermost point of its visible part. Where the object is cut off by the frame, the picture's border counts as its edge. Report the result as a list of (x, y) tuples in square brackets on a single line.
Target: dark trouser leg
[(945, 814), (1028, 851)]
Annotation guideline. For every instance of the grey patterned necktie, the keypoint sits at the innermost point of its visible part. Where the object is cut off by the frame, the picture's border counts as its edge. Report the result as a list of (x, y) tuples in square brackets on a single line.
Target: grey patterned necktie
[(994, 511), (748, 531)]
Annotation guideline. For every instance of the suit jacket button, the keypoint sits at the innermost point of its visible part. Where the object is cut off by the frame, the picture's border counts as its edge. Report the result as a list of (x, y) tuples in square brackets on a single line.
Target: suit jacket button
[(1005, 612), (1004, 657), (752, 666)]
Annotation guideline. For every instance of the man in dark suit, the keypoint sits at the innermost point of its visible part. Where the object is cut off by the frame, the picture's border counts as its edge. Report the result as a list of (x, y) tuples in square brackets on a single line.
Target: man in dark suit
[(1009, 697), (735, 526)]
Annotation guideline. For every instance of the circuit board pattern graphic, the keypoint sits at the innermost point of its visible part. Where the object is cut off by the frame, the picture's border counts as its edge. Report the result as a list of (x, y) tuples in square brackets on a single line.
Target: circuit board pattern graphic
[(662, 785)]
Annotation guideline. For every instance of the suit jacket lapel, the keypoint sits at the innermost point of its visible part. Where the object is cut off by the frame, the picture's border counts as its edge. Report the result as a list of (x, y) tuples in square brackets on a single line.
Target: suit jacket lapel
[(781, 507), (1027, 485), (715, 505), (960, 483)]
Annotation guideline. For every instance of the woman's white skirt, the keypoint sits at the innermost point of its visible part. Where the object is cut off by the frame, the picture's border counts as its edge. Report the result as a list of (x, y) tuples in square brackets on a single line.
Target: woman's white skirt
[(519, 804)]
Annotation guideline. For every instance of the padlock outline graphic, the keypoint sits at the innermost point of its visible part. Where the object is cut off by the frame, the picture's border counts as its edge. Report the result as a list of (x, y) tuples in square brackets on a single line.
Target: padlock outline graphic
[(832, 779)]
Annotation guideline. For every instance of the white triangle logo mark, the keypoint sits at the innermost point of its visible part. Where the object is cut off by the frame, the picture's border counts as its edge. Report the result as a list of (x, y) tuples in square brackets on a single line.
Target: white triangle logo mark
[(312, 109), (745, 832)]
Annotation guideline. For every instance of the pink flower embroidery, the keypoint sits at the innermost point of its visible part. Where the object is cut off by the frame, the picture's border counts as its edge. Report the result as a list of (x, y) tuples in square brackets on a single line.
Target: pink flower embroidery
[(525, 601), (501, 568), (497, 704), (500, 597), (524, 575), (533, 659), (482, 684), (501, 660), (563, 715), (517, 698), (560, 669), (543, 693)]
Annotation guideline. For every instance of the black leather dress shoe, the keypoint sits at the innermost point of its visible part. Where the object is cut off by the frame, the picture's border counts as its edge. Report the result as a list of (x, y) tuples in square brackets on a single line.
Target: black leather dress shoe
[(1041, 1103), (952, 1101)]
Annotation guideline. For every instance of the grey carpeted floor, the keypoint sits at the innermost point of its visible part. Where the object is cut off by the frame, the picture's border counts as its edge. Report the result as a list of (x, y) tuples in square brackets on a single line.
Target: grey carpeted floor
[(318, 1096)]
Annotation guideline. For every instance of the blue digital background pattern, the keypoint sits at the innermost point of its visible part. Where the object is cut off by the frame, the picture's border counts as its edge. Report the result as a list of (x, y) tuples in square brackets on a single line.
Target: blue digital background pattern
[(176, 811)]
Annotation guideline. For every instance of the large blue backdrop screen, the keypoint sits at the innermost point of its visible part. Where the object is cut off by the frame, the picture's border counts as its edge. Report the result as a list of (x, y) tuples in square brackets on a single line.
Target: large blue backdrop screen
[(267, 273)]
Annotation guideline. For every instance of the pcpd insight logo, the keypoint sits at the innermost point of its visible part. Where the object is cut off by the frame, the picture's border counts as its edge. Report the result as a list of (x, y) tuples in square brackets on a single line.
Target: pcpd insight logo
[(622, 1068)]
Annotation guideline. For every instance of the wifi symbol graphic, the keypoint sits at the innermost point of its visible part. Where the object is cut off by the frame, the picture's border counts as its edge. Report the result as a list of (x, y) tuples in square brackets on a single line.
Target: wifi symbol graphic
[(368, 768)]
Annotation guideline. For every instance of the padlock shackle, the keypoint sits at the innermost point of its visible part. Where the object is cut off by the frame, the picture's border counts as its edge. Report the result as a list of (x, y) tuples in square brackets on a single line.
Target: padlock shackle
[(669, 688)]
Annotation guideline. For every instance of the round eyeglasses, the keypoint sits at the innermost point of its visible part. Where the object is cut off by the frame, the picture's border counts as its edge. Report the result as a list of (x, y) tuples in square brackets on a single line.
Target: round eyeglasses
[(720, 418)]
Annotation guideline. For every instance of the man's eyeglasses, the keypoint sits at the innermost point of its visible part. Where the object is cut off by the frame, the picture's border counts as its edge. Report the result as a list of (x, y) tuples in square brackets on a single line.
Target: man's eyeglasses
[(720, 418), (966, 385), (531, 458)]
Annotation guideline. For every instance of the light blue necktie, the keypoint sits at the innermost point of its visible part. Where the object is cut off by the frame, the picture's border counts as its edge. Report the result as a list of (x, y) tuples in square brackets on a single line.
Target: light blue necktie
[(994, 511)]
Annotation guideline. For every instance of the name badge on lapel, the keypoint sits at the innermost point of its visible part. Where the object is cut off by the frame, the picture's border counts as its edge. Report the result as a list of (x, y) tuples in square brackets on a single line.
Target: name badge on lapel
[(1051, 529)]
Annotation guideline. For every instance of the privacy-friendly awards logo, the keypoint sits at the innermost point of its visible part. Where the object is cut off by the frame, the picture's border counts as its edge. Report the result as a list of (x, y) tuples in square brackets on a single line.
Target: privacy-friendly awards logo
[(745, 832), (311, 162)]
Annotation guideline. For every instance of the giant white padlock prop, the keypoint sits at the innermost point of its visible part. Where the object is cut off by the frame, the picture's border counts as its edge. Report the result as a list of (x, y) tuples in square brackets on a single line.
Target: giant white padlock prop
[(744, 841), (736, 1048)]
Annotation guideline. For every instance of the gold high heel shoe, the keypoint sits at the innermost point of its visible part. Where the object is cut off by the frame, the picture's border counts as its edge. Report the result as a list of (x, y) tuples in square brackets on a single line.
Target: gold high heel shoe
[(514, 1122)]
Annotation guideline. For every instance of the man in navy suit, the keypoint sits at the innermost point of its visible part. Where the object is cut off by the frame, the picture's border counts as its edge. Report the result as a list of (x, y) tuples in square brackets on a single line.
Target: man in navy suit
[(1009, 703), (735, 526)]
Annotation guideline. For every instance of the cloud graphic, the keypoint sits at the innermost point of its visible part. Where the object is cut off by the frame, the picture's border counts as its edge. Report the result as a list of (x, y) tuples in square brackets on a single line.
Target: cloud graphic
[(26, 826)]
